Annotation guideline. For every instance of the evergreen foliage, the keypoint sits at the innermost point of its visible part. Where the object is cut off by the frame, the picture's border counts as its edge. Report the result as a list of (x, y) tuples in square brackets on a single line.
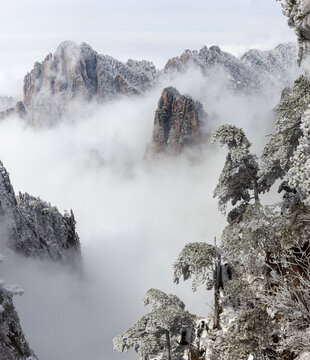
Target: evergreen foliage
[(283, 142), (239, 174), (156, 333), (196, 260)]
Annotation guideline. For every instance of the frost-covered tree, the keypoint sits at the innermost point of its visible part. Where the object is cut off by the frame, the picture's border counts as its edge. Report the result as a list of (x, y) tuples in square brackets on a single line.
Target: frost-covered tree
[(298, 13), (239, 294), (247, 240), (239, 175), (288, 299), (299, 172), (278, 152), (202, 262), (196, 261), (162, 331), (248, 334)]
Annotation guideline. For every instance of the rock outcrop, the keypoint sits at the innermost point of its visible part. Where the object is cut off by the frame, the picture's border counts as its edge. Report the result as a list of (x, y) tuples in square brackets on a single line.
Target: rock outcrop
[(178, 123), (18, 109), (255, 70), (34, 227), (80, 73), (13, 345)]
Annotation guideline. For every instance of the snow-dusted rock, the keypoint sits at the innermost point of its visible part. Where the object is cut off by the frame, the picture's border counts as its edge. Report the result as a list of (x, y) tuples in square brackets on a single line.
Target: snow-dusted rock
[(253, 71), (34, 227), (13, 345), (178, 122), (304, 356), (80, 73)]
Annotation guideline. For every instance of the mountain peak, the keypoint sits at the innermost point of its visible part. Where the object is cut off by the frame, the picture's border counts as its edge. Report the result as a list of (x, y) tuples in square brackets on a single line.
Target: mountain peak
[(178, 122)]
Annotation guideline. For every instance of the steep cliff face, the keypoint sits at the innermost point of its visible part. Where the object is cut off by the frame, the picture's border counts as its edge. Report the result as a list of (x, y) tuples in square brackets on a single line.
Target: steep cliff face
[(13, 345), (79, 72), (254, 70), (178, 122), (34, 227)]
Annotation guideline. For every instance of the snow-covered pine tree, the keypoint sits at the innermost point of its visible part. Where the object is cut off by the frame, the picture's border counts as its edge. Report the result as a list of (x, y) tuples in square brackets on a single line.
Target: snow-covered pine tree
[(278, 152), (196, 260), (239, 175), (299, 172), (164, 332)]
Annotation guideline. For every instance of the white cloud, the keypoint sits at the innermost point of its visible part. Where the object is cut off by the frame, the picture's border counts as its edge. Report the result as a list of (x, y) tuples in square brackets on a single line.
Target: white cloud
[(133, 217)]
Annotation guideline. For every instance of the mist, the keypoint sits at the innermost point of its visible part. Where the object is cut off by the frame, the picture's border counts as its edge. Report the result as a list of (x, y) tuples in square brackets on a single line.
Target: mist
[(133, 215)]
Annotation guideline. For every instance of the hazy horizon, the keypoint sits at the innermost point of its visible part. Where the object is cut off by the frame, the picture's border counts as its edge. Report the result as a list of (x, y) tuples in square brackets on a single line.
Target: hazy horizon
[(154, 31)]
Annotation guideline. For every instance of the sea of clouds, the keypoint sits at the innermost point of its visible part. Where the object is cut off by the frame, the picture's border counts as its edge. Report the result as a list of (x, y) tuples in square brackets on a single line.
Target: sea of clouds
[(134, 215)]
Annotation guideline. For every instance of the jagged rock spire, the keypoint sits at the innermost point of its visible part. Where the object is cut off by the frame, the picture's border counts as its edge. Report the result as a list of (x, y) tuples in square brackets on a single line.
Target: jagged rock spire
[(178, 122)]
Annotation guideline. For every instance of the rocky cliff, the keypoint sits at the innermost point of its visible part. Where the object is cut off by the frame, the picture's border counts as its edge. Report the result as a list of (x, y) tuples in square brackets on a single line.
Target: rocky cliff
[(13, 345), (79, 72), (178, 122), (34, 227)]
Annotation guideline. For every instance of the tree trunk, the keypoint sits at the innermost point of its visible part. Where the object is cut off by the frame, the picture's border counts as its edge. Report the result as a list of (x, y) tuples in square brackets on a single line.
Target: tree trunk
[(168, 345), (255, 187), (255, 181), (217, 285)]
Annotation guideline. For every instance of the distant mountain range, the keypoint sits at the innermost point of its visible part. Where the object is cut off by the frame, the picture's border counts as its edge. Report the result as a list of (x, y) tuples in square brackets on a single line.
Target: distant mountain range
[(79, 72), (254, 71)]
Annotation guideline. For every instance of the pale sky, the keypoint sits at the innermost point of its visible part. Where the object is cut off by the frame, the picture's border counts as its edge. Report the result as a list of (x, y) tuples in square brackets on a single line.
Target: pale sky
[(142, 29)]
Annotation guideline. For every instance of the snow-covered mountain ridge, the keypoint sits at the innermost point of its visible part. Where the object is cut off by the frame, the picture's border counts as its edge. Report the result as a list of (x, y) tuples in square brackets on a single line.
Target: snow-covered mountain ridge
[(254, 71), (79, 73)]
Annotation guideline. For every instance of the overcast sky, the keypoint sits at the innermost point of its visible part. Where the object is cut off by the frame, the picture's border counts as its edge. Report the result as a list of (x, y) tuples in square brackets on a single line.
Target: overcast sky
[(154, 29)]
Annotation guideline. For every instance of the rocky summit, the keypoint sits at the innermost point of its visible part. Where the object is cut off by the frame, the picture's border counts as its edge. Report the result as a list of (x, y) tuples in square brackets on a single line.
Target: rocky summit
[(178, 122), (252, 72), (79, 72)]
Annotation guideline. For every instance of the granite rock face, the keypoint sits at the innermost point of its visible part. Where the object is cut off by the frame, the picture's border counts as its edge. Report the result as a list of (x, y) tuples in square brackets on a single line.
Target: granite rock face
[(34, 227), (13, 345), (252, 72), (80, 73), (178, 123)]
